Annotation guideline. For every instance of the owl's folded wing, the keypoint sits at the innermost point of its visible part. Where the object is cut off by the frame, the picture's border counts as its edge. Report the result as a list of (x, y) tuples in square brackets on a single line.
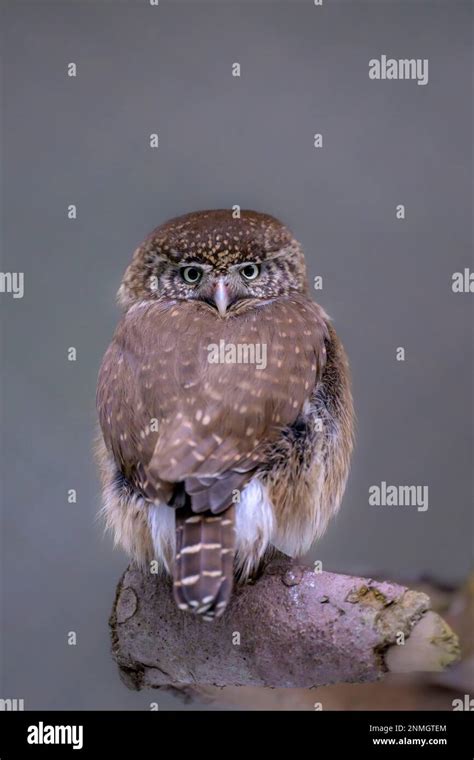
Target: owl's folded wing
[(185, 397)]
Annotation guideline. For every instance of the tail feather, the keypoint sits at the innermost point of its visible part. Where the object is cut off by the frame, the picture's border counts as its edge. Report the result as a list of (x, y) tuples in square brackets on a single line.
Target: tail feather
[(177, 587), (228, 554), (204, 568)]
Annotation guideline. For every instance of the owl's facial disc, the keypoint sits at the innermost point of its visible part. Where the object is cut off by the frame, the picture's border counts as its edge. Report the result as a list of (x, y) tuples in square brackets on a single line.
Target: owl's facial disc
[(182, 259), (221, 292), (226, 289), (221, 288)]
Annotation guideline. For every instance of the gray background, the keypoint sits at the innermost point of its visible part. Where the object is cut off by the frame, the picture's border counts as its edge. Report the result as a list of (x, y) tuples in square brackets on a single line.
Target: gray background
[(223, 140)]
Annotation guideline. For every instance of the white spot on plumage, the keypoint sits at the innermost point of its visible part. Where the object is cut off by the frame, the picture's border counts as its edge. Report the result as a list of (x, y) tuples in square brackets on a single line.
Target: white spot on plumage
[(190, 580), (192, 549)]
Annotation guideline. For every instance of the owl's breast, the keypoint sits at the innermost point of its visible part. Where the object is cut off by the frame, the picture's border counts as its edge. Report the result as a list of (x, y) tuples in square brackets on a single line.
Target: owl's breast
[(259, 366)]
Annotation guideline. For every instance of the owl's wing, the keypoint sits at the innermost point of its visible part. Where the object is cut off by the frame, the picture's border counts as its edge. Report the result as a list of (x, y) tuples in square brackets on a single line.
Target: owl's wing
[(186, 397)]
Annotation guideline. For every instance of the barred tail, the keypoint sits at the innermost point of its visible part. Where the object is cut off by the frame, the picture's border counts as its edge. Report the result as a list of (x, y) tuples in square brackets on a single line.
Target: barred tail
[(204, 568)]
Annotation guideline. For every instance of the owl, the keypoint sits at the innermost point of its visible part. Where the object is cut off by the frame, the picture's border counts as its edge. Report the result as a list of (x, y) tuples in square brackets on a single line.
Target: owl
[(224, 404)]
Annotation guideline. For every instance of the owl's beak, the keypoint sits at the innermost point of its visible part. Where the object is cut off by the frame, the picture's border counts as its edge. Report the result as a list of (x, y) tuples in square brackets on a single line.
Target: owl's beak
[(221, 297)]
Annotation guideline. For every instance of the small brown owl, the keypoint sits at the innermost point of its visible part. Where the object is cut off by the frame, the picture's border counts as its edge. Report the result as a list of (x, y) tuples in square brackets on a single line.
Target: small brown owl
[(224, 403)]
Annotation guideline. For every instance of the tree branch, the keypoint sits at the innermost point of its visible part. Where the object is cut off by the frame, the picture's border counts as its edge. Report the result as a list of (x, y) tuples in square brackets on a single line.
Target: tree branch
[(293, 627)]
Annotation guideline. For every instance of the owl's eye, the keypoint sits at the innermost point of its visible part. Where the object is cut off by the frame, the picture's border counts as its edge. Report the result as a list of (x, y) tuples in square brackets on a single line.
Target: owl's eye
[(191, 275), (250, 271)]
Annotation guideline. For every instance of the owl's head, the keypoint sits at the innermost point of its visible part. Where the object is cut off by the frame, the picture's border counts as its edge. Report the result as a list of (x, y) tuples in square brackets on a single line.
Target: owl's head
[(210, 256)]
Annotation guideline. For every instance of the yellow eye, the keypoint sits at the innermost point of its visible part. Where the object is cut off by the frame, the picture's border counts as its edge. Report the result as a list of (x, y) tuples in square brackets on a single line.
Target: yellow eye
[(191, 275), (250, 271)]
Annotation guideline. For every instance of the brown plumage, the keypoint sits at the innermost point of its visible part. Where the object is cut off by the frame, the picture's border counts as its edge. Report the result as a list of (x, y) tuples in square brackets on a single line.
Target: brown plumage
[(224, 405)]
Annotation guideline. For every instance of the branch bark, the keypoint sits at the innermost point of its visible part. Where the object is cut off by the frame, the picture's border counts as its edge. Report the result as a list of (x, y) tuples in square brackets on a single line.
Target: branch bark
[(292, 627)]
